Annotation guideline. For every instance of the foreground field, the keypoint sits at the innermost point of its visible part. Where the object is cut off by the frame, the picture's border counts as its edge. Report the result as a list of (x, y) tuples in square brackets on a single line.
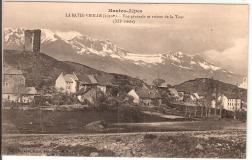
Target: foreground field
[(230, 143), (75, 122), (122, 133)]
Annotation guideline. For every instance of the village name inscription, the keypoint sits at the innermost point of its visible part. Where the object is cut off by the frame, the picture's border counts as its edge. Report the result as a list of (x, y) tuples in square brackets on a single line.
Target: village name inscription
[(129, 16)]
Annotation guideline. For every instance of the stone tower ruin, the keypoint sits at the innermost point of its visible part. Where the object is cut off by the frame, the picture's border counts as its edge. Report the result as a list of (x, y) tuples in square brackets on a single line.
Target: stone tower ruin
[(32, 40)]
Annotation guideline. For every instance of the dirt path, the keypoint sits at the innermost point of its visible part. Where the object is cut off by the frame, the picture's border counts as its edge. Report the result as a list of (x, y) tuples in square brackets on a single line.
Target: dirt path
[(164, 115)]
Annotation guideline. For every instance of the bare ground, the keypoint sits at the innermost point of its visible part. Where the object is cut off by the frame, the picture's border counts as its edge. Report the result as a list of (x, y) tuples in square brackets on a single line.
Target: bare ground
[(228, 143)]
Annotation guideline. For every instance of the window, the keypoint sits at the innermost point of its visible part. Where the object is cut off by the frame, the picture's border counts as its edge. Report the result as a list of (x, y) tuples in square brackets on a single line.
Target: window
[(20, 81), (6, 84)]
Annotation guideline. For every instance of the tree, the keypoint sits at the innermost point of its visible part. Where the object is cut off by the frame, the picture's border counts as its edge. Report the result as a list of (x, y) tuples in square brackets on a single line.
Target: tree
[(158, 82)]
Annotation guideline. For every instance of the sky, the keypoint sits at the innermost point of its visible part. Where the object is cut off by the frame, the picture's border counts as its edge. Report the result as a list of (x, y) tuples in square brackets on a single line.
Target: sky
[(214, 31)]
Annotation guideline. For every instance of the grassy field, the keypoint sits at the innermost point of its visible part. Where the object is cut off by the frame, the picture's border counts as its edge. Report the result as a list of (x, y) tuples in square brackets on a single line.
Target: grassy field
[(42, 121), (61, 122)]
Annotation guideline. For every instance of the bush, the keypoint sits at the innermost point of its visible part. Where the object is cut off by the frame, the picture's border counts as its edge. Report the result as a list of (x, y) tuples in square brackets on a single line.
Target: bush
[(63, 98), (105, 102)]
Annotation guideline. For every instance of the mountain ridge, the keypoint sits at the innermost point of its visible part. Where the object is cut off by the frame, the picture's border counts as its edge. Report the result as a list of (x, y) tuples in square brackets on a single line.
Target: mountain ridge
[(208, 86), (174, 67)]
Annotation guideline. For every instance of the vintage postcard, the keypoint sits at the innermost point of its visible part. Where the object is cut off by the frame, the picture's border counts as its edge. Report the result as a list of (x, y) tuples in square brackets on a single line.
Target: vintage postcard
[(124, 80)]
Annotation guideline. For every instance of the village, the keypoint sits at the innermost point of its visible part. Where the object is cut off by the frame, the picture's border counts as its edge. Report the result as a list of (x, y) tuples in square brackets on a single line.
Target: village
[(115, 115), (125, 79), (73, 88)]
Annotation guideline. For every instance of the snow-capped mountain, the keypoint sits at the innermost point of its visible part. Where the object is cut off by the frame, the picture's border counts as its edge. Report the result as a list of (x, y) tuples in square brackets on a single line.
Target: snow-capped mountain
[(174, 67), (78, 42)]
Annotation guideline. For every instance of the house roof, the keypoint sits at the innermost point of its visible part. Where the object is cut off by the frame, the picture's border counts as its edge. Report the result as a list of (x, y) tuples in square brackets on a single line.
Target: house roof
[(103, 80), (148, 93), (162, 86), (31, 90), (12, 71), (230, 96), (89, 90), (172, 90), (70, 77), (196, 95), (233, 96), (87, 79), (92, 79)]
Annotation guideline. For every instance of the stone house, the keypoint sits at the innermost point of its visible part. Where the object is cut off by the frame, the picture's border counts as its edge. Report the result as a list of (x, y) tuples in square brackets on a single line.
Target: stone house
[(173, 94), (67, 83), (72, 83), (90, 81), (146, 96), (89, 96), (13, 84), (14, 88), (181, 96), (230, 103), (29, 95)]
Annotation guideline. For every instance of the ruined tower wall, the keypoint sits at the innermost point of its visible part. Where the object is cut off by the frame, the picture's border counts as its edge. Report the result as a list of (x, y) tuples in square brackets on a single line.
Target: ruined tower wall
[(28, 45), (37, 41), (32, 40)]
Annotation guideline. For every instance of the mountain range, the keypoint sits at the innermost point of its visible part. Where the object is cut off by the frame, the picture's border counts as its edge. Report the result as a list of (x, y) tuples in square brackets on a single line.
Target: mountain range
[(173, 67)]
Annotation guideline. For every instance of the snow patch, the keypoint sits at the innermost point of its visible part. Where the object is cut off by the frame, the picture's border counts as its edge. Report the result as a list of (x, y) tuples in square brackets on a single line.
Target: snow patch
[(152, 58), (207, 66), (184, 67), (214, 68), (68, 35), (173, 58), (47, 35), (204, 65)]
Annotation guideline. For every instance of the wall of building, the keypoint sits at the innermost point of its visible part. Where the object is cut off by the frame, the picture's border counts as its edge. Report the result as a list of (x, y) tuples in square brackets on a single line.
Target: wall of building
[(72, 87), (10, 98), (90, 96), (136, 98), (234, 104), (13, 83), (60, 83), (102, 88)]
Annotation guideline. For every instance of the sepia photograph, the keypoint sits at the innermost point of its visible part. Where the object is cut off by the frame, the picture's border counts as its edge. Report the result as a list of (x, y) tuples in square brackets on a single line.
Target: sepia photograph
[(151, 80)]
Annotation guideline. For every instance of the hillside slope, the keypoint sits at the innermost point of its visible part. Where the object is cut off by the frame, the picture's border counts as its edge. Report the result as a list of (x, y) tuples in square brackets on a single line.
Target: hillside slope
[(40, 69), (204, 86)]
